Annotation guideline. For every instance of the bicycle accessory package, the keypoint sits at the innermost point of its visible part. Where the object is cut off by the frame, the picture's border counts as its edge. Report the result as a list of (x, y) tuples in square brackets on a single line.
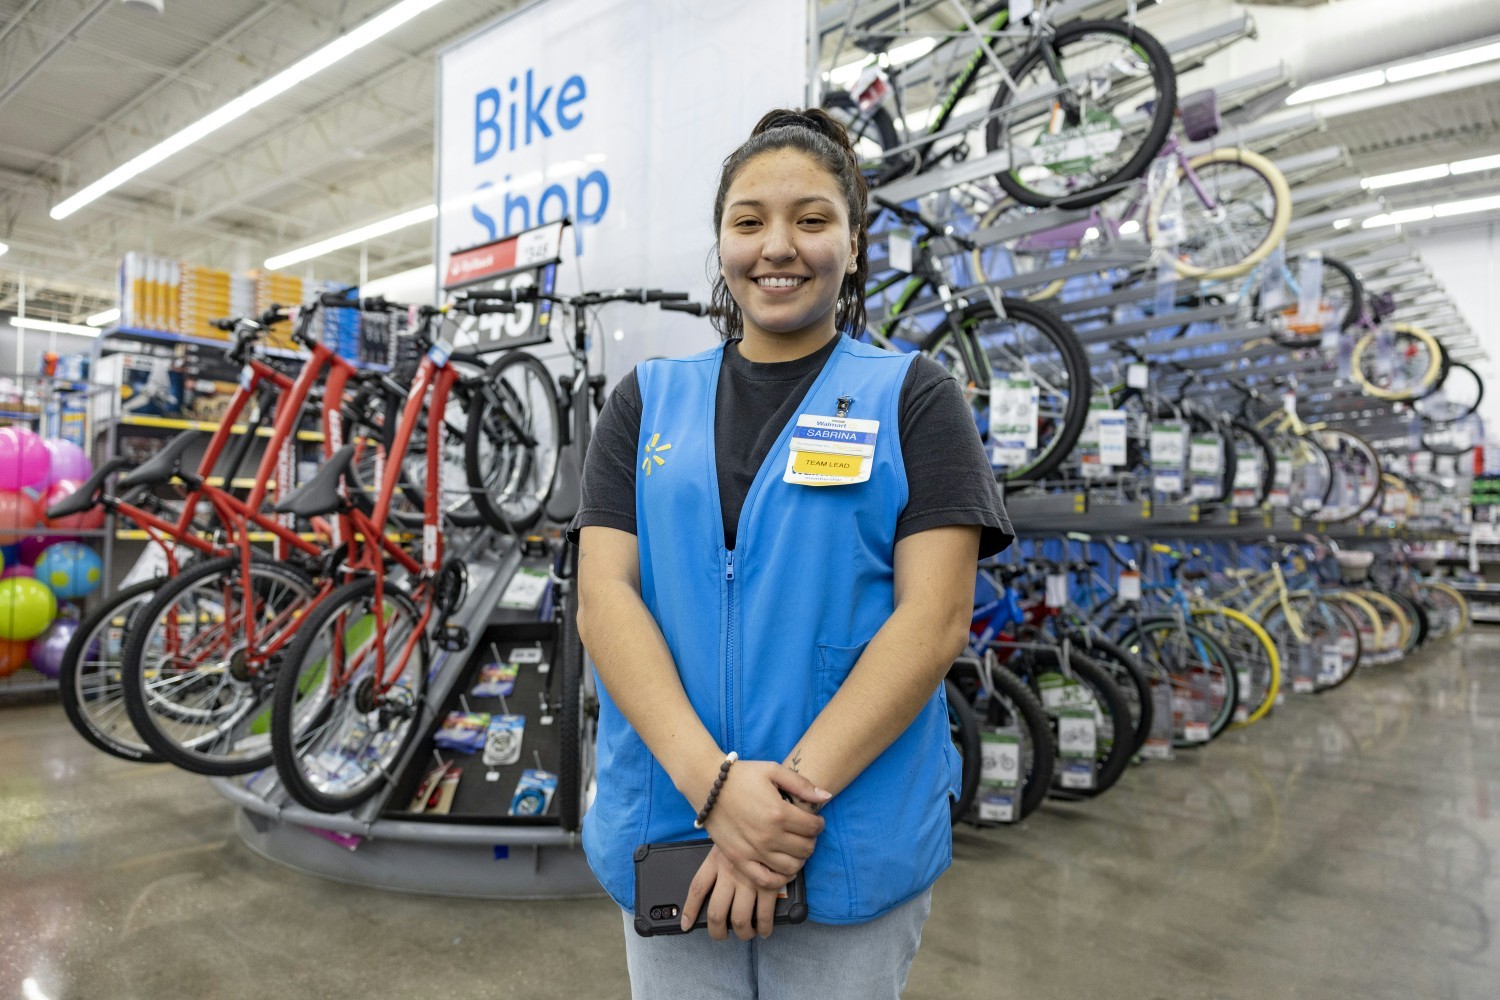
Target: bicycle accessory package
[(663, 874), (533, 793)]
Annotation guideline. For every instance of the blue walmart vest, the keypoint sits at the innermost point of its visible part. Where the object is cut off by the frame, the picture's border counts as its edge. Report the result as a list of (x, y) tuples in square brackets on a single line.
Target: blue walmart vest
[(764, 635)]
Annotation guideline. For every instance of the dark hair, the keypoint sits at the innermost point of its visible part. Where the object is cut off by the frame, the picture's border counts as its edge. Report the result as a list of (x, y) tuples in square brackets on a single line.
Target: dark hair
[(817, 134)]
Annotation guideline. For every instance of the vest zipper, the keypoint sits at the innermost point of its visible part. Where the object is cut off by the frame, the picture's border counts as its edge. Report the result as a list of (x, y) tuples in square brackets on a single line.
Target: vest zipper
[(729, 656)]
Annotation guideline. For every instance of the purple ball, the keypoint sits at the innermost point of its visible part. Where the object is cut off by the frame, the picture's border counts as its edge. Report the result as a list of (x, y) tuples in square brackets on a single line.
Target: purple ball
[(46, 650), (68, 461)]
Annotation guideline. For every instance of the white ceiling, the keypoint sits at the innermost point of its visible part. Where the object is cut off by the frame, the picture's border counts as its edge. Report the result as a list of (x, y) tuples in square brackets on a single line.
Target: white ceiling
[(86, 84)]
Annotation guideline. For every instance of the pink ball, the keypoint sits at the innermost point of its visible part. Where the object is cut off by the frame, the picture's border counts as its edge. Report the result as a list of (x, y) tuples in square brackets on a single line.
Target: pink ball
[(19, 514), (24, 460), (87, 520), (68, 461), (11, 571)]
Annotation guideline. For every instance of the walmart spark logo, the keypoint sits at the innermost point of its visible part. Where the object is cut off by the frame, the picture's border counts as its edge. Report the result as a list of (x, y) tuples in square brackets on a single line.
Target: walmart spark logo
[(653, 453)]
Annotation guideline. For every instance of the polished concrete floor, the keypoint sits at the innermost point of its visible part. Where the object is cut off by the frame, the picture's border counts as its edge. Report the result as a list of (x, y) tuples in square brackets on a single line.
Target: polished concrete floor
[(1343, 848)]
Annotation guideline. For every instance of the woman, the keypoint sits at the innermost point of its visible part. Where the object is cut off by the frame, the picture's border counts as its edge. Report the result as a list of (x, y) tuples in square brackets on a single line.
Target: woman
[(749, 588)]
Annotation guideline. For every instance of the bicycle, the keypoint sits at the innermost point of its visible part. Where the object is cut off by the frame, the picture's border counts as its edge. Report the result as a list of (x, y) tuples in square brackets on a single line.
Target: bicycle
[(1068, 110)]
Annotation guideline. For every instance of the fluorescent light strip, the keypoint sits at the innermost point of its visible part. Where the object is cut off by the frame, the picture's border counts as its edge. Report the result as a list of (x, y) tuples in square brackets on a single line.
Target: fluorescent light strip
[(848, 73), (1396, 74), (1444, 211), (104, 318), (355, 236), (377, 27), (4, 247), (52, 326), (1436, 171)]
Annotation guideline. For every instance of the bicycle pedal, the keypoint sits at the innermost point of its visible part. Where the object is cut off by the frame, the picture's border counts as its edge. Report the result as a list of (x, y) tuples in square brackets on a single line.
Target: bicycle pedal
[(452, 638)]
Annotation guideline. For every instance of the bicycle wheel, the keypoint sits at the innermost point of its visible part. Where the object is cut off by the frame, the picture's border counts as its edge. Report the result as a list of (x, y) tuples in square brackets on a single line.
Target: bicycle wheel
[(197, 689), (89, 681), (1256, 660), (1013, 705), (1129, 675), (1018, 257), (1355, 486), (1029, 349), (1376, 636), (1447, 610), (1318, 638), (963, 728), (570, 776), (1236, 207), (1204, 684), (513, 442), (872, 134), (1100, 695), (1254, 467), (1411, 369), (459, 503), (1092, 105), (351, 695), (1342, 296), (1458, 397)]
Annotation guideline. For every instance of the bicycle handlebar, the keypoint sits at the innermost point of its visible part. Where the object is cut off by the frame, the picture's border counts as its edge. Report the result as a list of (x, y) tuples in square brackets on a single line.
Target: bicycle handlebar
[(694, 308), (336, 300)]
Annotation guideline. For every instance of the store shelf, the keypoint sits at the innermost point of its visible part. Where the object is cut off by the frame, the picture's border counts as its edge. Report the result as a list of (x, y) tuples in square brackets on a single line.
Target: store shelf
[(207, 426)]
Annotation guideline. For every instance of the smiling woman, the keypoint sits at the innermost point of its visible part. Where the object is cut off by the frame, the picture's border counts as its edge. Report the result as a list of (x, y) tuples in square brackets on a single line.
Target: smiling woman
[(831, 515)]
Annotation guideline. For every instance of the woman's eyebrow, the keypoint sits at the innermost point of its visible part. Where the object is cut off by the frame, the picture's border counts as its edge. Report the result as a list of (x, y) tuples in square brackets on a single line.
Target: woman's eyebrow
[(751, 203)]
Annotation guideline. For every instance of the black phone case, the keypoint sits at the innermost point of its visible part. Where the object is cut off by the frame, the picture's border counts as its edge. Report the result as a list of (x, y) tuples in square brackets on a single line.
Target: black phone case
[(663, 873)]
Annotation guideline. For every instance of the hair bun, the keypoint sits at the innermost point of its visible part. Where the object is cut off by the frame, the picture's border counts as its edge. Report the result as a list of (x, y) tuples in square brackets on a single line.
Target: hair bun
[(814, 120)]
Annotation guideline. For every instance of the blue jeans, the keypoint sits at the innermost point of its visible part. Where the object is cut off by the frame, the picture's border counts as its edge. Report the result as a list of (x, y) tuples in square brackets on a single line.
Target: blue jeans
[(844, 962)]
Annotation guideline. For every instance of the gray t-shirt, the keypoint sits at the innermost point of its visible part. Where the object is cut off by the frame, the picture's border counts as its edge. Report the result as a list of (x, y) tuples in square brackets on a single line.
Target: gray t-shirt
[(949, 479)]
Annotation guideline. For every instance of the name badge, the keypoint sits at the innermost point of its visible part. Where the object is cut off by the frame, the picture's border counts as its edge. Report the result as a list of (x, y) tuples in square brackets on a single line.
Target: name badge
[(831, 451)]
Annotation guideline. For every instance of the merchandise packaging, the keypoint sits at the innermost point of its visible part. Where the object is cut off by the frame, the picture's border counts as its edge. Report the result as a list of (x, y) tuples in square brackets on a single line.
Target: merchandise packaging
[(463, 731), (534, 793), (502, 744), (496, 680)]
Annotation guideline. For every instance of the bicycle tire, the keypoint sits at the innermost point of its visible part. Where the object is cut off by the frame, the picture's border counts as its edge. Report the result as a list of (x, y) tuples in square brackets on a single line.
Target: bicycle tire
[(80, 700), (1438, 593), (508, 424), (1279, 217), (879, 128), (963, 727), (197, 753), (1367, 497), (1213, 660), (1427, 383), (1163, 107), (291, 728), (1350, 316), (570, 717), (1253, 713), (1125, 669), (1109, 763), (1267, 458), (1027, 710), (1063, 345), (981, 274), (1456, 413)]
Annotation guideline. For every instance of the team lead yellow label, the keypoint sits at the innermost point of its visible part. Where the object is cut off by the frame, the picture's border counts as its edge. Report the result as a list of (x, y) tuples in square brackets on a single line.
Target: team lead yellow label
[(823, 464)]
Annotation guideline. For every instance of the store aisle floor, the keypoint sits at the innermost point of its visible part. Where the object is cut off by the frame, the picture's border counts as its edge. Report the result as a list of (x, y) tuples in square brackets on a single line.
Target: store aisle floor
[(1343, 848)]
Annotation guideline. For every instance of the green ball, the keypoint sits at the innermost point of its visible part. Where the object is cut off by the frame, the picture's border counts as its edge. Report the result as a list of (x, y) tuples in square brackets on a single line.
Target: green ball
[(27, 607)]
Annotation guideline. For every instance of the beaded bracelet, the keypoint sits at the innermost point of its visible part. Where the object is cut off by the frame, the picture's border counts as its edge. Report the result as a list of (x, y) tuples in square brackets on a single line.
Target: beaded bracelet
[(713, 793)]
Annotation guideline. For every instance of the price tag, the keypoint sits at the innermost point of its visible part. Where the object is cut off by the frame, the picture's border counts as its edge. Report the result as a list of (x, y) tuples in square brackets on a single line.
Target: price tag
[(1112, 437), (1137, 375), (1333, 664), (1057, 590), (1000, 760), (1168, 445), (1242, 679), (1302, 685), (1130, 586), (1195, 732), (1076, 735), (997, 807), (900, 251), (1015, 406), (1167, 482), (1206, 456), (1079, 774), (526, 654)]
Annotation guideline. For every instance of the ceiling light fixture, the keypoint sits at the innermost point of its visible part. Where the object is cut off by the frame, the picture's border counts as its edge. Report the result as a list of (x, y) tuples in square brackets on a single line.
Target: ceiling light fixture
[(52, 326), (377, 27), (104, 318), (846, 74), (354, 236), (1413, 176), (4, 247), (1475, 165), (1400, 73), (1446, 210)]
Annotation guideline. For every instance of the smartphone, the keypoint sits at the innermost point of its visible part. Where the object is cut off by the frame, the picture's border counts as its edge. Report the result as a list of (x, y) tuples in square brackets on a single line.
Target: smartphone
[(663, 873)]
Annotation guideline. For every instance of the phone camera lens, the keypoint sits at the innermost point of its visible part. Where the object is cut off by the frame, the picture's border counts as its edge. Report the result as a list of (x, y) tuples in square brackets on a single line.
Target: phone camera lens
[(656, 913)]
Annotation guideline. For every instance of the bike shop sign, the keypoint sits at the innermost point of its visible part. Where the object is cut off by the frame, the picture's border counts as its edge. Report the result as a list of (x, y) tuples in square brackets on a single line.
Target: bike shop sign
[(615, 114)]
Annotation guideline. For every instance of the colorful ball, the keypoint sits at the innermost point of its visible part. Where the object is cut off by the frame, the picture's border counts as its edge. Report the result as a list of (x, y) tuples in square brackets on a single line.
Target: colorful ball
[(26, 608), (46, 650), (83, 521), (68, 461), (24, 460), (71, 570), (12, 656), (11, 571), (19, 514)]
